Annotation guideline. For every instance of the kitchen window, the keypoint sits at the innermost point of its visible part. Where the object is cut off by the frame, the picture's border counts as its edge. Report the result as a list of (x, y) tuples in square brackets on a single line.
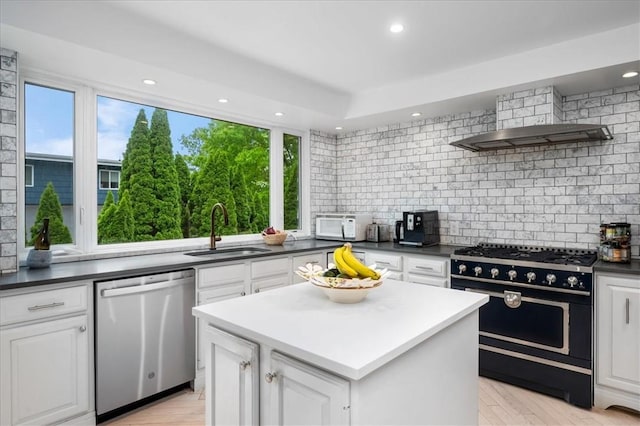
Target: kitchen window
[(159, 169)]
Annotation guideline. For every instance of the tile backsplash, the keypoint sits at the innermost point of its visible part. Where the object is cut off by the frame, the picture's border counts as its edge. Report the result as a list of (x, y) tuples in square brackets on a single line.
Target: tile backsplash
[(549, 195)]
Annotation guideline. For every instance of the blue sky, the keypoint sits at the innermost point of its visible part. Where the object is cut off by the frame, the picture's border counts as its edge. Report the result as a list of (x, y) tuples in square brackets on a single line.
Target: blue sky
[(49, 123)]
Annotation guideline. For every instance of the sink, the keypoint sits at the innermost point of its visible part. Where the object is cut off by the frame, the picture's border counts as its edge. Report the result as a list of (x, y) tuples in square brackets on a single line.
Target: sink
[(228, 252)]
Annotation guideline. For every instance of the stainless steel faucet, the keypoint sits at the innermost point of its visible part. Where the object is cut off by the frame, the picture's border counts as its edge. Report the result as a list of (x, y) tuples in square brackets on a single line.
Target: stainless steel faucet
[(213, 237)]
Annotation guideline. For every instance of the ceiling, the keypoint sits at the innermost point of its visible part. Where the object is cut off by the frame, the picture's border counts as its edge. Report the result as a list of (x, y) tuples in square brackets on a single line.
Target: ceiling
[(329, 63)]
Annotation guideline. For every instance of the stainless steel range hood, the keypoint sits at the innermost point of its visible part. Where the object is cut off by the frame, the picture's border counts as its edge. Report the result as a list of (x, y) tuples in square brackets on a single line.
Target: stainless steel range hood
[(545, 134)]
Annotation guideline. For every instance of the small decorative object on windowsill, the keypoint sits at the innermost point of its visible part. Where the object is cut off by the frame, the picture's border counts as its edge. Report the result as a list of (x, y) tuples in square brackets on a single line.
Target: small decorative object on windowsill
[(615, 239), (40, 255)]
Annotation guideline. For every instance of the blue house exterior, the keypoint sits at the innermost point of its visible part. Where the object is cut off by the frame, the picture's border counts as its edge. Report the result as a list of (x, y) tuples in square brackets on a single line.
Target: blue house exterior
[(40, 169)]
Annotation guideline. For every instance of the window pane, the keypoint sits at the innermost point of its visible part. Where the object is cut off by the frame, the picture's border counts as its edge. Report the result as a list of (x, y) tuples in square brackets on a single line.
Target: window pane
[(28, 175), (291, 182), (173, 167), (104, 179), (49, 139)]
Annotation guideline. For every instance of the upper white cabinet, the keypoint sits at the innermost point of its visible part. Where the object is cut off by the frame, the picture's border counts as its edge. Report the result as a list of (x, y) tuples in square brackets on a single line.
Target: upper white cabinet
[(617, 341), (45, 356)]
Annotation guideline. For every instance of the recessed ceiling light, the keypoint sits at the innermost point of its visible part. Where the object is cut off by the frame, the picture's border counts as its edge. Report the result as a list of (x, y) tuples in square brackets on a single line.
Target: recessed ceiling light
[(338, 128), (416, 114), (149, 82), (279, 114), (223, 100), (630, 74), (396, 28)]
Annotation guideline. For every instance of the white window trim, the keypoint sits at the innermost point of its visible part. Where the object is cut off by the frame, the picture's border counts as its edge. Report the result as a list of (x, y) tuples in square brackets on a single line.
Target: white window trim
[(110, 181), (31, 166), (85, 171)]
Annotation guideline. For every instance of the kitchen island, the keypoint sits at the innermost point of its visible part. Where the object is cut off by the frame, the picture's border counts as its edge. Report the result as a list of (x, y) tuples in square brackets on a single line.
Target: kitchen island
[(407, 354)]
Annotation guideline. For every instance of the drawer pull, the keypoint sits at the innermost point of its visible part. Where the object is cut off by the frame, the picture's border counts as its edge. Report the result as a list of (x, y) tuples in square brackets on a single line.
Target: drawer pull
[(627, 303), (269, 377), (50, 305), (83, 328), (381, 262), (426, 268), (244, 365)]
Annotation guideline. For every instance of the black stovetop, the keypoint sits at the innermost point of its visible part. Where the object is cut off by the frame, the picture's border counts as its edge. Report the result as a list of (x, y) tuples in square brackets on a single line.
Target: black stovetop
[(561, 256)]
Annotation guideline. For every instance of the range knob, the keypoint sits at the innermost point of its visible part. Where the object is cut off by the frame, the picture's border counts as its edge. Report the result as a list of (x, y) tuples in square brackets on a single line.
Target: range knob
[(512, 274), (462, 267), (573, 281), (531, 276), (494, 272), (551, 278), (477, 270)]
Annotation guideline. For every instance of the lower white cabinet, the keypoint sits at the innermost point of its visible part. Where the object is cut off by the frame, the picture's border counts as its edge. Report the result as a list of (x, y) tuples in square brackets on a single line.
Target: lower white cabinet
[(270, 273), (617, 341), (383, 260), (46, 365), (295, 393), (428, 270)]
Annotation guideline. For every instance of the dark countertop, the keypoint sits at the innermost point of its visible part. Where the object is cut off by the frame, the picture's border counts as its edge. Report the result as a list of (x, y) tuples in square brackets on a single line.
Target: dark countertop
[(102, 269), (632, 268)]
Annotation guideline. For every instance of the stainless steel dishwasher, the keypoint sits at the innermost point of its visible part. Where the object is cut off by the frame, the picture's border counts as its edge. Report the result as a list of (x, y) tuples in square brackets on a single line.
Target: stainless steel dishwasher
[(145, 337)]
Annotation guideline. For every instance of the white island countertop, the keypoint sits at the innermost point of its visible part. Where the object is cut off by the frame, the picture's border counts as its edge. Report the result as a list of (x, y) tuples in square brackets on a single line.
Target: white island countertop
[(349, 339)]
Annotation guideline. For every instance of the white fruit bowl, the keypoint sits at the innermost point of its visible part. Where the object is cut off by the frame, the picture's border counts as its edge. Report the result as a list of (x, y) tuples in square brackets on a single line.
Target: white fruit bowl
[(340, 290)]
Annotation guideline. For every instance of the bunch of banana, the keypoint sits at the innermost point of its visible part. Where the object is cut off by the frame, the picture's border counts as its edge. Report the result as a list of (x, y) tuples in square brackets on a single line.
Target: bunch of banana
[(349, 265)]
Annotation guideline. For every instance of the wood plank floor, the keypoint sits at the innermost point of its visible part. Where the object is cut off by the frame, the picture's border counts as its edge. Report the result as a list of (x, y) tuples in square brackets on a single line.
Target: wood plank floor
[(500, 404)]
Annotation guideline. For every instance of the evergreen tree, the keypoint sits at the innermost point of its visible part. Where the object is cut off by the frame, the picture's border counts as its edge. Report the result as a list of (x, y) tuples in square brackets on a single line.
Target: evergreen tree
[(184, 183), (291, 201), (124, 219), (50, 207), (211, 186), (166, 204), (136, 177), (105, 218)]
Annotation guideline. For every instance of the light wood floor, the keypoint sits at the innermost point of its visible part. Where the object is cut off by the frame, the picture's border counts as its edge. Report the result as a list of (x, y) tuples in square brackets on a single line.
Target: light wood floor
[(500, 404)]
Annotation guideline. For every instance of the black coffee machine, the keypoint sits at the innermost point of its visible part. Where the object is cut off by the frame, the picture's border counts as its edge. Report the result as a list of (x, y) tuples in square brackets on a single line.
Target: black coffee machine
[(419, 228)]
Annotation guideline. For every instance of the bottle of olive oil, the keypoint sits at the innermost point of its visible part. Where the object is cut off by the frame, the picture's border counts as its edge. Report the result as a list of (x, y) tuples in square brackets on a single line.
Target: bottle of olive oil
[(42, 240)]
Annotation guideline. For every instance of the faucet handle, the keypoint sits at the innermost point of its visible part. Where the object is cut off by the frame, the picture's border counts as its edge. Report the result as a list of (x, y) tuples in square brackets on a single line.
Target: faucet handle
[(218, 238)]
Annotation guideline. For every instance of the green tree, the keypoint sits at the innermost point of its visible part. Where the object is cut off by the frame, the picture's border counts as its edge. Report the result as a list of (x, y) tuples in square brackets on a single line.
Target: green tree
[(212, 185), (243, 201), (116, 223), (184, 183), (291, 181), (105, 218), (136, 176), (50, 207), (166, 192)]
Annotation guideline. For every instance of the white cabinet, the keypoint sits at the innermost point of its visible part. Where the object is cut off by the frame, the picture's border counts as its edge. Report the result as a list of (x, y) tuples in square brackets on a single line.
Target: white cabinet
[(617, 341), (304, 395), (297, 393), (270, 273), (45, 360), (428, 270), (392, 262), (232, 379), (317, 258)]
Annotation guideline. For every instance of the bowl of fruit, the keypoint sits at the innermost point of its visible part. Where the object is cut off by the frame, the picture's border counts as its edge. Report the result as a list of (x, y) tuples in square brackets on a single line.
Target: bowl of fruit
[(273, 237), (347, 280)]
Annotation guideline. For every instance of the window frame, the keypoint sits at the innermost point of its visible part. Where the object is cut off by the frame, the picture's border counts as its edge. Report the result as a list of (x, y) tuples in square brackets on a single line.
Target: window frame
[(100, 188), (86, 169), (32, 167)]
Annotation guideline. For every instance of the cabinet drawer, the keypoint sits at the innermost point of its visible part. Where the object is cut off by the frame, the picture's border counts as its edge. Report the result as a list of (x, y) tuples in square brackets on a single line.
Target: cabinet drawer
[(221, 292), (270, 283), (425, 279), (42, 304), (217, 275), (269, 267), (313, 258), (382, 260), (426, 266)]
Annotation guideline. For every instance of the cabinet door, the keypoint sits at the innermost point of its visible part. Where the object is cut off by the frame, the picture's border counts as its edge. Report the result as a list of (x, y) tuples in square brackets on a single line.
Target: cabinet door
[(45, 372), (221, 292), (232, 387), (392, 262), (619, 333), (304, 395), (303, 260)]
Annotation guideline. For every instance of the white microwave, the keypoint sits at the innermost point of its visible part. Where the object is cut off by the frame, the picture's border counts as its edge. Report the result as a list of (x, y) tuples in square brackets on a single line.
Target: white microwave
[(342, 226)]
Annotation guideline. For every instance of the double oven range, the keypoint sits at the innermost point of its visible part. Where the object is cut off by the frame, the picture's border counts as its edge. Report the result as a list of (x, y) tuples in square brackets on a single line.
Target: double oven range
[(536, 331)]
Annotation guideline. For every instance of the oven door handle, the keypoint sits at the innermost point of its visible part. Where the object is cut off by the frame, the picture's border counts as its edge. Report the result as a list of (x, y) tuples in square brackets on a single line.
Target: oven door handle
[(512, 299)]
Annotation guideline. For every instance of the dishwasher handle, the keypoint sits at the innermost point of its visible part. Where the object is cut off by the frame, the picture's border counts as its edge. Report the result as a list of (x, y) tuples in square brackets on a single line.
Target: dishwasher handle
[(144, 288)]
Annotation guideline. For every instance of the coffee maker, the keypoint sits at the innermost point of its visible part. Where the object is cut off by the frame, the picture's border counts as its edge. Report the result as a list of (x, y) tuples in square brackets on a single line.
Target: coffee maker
[(419, 228)]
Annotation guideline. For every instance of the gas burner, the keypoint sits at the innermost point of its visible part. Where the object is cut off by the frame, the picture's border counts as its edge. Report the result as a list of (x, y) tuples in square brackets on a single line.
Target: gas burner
[(558, 256)]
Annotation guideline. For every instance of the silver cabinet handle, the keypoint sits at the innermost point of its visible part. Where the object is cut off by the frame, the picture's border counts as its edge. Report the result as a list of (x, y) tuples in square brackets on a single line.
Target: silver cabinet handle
[(428, 268), (512, 299), (381, 262), (243, 294), (627, 303), (47, 306), (83, 328), (244, 365), (269, 377), (257, 290)]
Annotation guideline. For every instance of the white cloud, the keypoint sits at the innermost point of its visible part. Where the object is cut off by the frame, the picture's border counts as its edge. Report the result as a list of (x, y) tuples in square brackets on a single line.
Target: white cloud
[(56, 146), (111, 145), (113, 113)]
